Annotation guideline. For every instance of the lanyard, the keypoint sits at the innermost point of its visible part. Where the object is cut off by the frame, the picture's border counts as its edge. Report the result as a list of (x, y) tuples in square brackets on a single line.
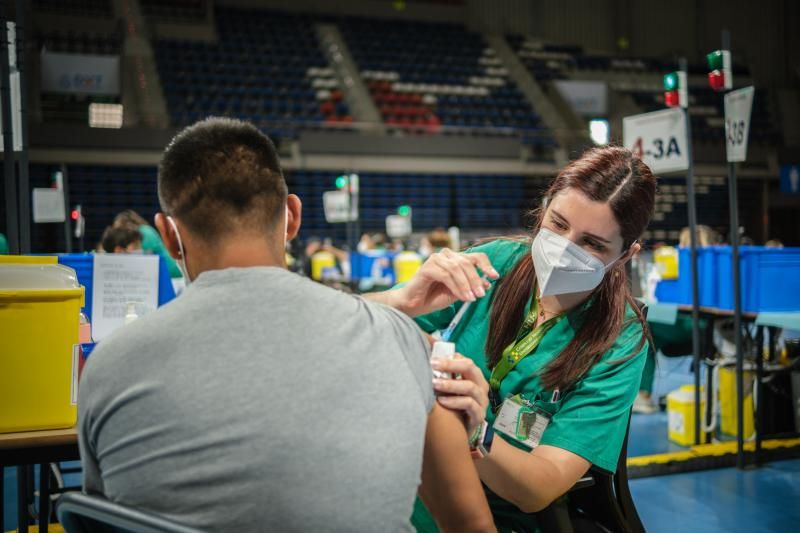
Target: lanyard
[(522, 347)]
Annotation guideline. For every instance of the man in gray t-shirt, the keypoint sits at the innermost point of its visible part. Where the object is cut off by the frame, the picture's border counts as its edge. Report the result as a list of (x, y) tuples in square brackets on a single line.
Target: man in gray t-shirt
[(259, 400)]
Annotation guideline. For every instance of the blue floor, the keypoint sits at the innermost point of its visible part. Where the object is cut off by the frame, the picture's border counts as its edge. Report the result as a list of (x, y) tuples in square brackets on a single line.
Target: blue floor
[(725, 500)]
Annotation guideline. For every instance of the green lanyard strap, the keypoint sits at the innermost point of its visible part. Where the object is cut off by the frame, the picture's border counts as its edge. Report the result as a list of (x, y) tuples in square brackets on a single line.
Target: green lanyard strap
[(522, 347)]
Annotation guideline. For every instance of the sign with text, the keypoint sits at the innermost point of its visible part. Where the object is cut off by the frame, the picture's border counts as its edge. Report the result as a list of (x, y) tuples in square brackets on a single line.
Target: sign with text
[(586, 97), (120, 279), (659, 139), (738, 107), (80, 73), (398, 226), (48, 205), (339, 207)]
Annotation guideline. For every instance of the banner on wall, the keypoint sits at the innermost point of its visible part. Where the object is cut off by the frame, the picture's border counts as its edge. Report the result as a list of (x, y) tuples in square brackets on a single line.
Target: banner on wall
[(585, 97), (80, 73)]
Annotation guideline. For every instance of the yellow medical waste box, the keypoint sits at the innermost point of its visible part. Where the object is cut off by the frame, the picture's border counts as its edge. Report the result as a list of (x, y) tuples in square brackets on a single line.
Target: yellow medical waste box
[(680, 415), (406, 264), (39, 314), (319, 262), (666, 260), (727, 402)]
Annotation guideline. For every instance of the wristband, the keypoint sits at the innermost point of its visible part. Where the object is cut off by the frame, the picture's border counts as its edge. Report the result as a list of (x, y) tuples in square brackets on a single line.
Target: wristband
[(480, 443)]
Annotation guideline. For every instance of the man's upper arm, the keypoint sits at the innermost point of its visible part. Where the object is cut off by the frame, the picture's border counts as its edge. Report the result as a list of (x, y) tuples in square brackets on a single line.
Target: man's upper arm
[(451, 488)]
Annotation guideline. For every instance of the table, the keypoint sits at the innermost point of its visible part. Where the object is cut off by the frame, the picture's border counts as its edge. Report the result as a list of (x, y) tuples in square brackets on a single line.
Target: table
[(28, 448)]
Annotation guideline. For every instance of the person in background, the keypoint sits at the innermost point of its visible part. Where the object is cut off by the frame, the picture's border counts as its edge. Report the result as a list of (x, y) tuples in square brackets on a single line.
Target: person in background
[(151, 241), (259, 400), (774, 243), (3, 244), (379, 241), (121, 240), (435, 241), (365, 243), (705, 237), (558, 337)]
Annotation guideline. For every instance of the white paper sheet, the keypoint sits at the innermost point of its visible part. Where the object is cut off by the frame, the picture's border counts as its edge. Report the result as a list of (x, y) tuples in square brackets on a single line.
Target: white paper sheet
[(119, 279)]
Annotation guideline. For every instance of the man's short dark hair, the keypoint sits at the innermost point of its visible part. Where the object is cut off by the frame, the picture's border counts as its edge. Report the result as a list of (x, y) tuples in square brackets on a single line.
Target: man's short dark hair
[(122, 236), (222, 174)]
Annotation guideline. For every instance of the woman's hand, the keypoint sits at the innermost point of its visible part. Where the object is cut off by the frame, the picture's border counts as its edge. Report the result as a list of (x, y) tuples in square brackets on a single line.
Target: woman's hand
[(470, 394), (444, 278)]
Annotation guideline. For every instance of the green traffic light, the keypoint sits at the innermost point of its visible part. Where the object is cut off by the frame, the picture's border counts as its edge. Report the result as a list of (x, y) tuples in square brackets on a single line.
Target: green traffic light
[(404, 210), (714, 60), (671, 81), (341, 181)]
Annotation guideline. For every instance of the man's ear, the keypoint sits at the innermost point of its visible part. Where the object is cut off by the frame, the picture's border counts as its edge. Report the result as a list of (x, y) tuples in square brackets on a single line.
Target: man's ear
[(294, 208), (168, 236)]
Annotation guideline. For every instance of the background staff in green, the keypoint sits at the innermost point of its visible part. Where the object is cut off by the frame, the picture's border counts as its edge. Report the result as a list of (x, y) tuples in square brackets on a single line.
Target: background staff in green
[(591, 349)]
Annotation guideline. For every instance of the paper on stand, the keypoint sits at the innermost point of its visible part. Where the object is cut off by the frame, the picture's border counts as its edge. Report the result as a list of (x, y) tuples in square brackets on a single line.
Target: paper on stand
[(120, 279)]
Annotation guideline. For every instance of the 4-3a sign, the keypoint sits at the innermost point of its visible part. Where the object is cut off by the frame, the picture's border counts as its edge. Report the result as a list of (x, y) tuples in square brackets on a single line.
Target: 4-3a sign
[(658, 139), (660, 149)]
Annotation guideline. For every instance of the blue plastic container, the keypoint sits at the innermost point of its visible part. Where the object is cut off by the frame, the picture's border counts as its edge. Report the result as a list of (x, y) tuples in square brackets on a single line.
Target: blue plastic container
[(770, 279), (679, 291), (83, 264), (362, 266)]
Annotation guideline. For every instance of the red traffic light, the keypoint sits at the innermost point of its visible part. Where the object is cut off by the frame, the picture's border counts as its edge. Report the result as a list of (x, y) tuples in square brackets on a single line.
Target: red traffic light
[(75, 214), (716, 79), (672, 99)]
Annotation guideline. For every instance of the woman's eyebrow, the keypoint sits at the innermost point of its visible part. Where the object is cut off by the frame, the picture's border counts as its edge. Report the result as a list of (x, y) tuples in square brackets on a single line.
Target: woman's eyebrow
[(561, 218)]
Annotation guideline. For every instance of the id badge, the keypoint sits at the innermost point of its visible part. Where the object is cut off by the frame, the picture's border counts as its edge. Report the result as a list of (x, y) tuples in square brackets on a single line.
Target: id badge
[(521, 421)]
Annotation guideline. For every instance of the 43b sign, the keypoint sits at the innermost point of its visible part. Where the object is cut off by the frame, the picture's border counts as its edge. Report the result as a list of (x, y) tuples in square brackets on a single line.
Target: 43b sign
[(738, 107), (659, 139)]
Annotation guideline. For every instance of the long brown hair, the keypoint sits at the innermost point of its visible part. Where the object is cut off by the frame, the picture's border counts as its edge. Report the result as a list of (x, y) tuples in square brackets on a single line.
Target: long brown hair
[(609, 174)]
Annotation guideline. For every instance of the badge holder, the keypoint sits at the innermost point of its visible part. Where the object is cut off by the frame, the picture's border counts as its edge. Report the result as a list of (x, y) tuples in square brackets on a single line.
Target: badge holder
[(522, 421)]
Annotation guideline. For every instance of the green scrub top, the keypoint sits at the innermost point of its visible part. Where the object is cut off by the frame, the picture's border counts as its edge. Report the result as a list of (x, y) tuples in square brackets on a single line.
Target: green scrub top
[(3, 244), (591, 418), (152, 243)]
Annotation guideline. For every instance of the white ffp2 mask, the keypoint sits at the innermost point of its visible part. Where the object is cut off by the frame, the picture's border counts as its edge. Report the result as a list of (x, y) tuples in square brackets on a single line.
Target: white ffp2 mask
[(562, 267)]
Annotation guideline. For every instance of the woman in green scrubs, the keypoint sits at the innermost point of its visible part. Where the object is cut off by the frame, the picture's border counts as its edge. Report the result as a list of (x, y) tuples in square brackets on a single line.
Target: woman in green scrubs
[(151, 240), (554, 348)]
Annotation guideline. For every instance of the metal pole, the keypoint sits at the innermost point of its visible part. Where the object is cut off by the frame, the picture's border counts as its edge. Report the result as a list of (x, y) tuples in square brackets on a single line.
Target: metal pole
[(12, 216), (692, 208), (733, 206), (733, 203), (22, 160), (67, 210), (44, 497)]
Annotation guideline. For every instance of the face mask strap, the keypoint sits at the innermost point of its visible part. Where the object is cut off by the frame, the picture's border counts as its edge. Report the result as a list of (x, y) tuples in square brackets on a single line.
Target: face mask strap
[(185, 268)]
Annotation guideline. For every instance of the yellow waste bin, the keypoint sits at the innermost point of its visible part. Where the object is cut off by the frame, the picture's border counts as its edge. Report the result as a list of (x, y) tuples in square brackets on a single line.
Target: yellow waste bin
[(666, 260), (727, 401), (39, 314), (406, 265), (319, 262), (680, 415)]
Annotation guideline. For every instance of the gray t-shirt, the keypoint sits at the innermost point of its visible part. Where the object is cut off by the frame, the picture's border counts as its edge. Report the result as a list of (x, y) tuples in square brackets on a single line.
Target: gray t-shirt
[(259, 400)]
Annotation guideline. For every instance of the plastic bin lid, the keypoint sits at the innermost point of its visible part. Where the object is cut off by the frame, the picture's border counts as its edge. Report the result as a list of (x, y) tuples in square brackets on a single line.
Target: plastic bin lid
[(15, 277)]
